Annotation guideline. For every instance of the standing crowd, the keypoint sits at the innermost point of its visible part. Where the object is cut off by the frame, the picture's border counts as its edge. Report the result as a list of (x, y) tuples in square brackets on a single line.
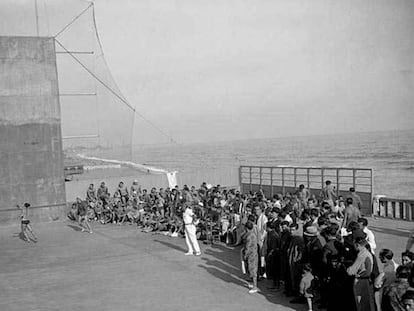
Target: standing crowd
[(316, 249)]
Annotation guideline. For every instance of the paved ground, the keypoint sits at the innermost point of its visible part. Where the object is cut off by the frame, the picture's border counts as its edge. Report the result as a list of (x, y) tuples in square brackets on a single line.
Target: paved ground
[(120, 268)]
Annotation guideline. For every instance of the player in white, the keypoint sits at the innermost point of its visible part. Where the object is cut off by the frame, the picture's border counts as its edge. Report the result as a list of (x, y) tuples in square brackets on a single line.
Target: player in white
[(190, 232)]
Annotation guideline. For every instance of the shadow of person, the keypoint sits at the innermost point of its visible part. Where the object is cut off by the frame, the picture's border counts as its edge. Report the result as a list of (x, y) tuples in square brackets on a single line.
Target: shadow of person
[(219, 264), (19, 235), (225, 276), (228, 259), (76, 228), (171, 245), (396, 232)]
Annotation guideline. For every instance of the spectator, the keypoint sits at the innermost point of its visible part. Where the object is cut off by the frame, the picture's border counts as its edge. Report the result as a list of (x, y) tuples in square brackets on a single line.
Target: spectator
[(306, 285), (356, 199), (361, 269), (363, 222)]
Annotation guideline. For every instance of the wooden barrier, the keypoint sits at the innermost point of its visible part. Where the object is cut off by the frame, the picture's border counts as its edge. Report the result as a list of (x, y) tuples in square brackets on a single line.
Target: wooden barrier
[(284, 179), (393, 208)]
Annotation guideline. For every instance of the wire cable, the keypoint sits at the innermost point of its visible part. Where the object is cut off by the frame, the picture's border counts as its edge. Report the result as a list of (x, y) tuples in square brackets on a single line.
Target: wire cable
[(116, 94), (73, 20)]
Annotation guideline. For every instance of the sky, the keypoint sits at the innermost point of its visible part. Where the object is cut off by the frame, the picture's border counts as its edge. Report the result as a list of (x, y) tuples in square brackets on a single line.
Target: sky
[(214, 70)]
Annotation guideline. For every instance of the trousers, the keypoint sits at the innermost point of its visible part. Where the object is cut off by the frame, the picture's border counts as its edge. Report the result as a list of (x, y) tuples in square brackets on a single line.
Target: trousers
[(191, 239)]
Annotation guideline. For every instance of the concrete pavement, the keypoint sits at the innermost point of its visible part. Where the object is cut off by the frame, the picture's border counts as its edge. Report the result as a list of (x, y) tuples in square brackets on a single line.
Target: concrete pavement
[(121, 268)]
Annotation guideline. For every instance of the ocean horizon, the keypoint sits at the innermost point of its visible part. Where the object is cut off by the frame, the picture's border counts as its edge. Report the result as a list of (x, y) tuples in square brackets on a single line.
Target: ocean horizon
[(390, 154)]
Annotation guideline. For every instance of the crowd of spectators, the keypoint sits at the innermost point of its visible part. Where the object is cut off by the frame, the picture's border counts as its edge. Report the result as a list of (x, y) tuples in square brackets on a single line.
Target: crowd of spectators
[(315, 249)]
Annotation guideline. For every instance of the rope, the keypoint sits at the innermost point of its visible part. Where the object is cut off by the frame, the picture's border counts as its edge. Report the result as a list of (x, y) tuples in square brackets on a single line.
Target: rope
[(95, 76), (37, 18), (73, 20), (47, 18)]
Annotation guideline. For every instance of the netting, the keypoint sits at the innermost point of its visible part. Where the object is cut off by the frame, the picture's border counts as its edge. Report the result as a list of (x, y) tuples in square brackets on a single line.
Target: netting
[(94, 113)]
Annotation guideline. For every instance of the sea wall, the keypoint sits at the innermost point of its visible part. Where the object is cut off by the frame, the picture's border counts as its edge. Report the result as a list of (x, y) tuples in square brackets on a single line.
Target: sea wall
[(31, 159)]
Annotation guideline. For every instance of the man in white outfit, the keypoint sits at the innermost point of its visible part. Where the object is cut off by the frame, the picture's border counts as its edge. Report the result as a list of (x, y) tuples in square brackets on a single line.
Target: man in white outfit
[(190, 232), (363, 223), (261, 235)]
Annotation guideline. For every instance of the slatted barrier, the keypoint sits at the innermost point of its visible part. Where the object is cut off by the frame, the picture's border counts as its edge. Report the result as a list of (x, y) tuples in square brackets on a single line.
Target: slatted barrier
[(393, 208), (284, 179)]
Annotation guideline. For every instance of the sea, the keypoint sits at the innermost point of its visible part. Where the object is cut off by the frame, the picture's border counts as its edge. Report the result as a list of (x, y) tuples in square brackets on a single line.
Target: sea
[(389, 153)]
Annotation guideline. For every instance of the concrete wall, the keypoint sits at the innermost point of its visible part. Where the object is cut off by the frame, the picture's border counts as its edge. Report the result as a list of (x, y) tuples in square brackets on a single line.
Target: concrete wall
[(31, 159)]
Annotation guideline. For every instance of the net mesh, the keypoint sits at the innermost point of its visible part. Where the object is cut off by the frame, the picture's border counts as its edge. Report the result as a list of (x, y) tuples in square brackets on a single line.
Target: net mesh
[(94, 113)]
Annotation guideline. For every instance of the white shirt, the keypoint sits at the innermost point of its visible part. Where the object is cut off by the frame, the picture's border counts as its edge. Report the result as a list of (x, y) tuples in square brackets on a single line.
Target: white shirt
[(261, 228), (288, 219), (188, 216), (370, 239)]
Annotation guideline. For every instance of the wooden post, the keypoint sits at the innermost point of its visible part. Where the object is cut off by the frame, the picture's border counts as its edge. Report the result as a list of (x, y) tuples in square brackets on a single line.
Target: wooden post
[(271, 182), (260, 178), (337, 182), (308, 177), (393, 209), (372, 187), (294, 176), (354, 179), (283, 180), (411, 211), (250, 175), (240, 179), (322, 177), (386, 208)]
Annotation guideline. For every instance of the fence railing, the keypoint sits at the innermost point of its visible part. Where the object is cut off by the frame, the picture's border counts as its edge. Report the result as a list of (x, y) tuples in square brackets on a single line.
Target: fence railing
[(283, 179), (393, 208)]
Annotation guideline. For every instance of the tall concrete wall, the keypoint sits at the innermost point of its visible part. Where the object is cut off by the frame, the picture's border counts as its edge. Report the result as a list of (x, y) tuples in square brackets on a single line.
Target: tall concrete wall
[(31, 159)]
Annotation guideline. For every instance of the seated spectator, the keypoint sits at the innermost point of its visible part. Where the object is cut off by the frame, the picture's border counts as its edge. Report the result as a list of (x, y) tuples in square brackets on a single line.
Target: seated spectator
[(98, 208), (73, 213), (103, 193)]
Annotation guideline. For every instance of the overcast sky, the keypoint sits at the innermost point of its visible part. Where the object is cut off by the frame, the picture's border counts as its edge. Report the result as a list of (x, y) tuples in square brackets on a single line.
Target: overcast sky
[(206, 70)]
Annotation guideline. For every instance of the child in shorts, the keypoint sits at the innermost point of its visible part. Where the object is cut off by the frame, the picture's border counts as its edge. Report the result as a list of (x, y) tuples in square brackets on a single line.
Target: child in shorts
[(305, 287)]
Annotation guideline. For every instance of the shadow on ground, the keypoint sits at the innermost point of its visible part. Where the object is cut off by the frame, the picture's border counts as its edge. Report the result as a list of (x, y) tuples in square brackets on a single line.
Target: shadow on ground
[(395, 232), (227, 267), (223, 263), (19, 235), (76, 228), (171, 245)]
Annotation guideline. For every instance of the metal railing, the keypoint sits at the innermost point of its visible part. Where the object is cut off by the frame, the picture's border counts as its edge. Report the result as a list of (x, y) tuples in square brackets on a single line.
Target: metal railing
[(284, 179)]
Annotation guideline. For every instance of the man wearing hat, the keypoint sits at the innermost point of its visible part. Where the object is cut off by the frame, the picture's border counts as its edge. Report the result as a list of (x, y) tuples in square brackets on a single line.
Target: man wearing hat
[(314, 245), (190, 232)]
